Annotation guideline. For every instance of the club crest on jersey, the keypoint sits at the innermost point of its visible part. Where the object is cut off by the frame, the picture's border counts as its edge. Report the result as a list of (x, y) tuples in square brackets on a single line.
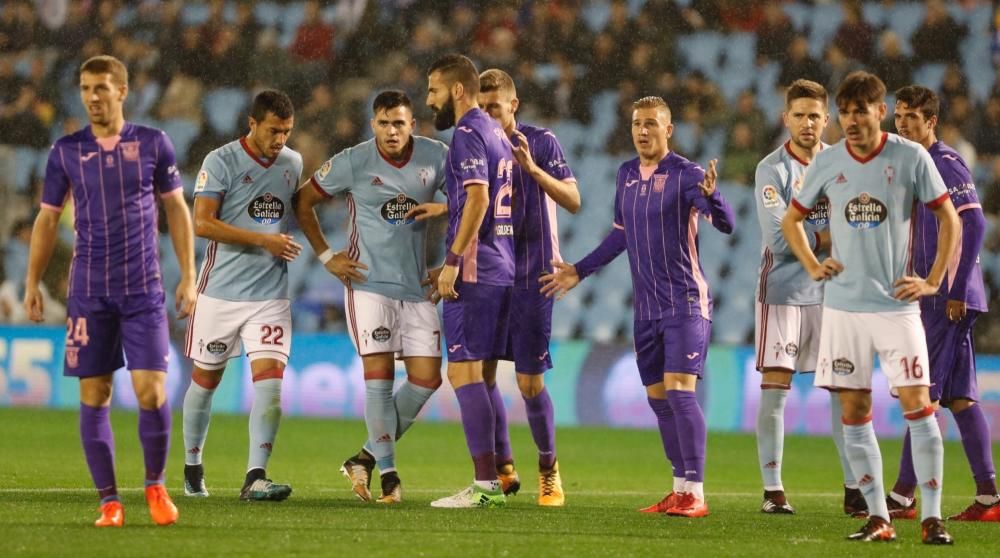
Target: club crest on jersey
[(797, 185), (325, 169), (72, 357), (769, 197), (201, 181), (865, 212), (267, 209), (659, 182), (130, 151), (820, 214), (394, 211), (425, 174), (889, 173), (109, 161)]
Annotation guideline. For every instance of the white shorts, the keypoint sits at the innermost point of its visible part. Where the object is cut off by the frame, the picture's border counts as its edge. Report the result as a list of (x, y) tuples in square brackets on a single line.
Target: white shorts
[(850, 340), (787, 336), (265, 328), (379, 324)]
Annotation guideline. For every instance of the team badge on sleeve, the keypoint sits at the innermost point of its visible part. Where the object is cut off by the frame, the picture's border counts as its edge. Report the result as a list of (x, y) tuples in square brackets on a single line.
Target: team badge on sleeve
[(769, 195), (325, 169), (201, 181)]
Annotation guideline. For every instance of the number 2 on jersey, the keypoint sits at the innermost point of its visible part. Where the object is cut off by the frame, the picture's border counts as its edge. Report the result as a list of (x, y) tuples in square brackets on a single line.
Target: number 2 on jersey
[(271, 335), (505, 171)]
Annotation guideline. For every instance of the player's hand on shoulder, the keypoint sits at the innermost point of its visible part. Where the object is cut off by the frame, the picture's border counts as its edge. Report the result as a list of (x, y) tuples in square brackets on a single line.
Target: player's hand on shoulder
[(185, 298), (707, 186), (560, 281), (431, 284), (34, 304), (425, 211), (519, 147), (345, 269), (282, 246), (827, 269), (911, 288)]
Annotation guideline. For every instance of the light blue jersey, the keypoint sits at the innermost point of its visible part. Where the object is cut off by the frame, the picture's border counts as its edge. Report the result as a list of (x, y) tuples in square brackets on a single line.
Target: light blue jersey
[(872, 203), (255, 195), (783, 280), (379, 193)]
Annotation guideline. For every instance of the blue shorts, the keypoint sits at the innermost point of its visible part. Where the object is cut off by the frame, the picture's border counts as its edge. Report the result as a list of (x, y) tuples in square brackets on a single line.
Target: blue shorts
[(952, 355), (475, 324), (99, 330), (530, 331), (677, 344)]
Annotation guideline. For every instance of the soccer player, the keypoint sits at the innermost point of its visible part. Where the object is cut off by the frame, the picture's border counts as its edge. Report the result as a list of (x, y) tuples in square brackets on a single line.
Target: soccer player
[(949, 315), (478, 274), (789, 302), (872, 180), (388, 315), (659, 198), (242, 197), (114, 170)]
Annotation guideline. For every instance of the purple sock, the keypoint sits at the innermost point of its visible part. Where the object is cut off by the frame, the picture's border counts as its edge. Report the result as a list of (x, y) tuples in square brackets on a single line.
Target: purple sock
[(154, 434), (503, 450), (906, 482), (541, 419), (99, 449), (975, 433), (667, 423), (479, 422), (691, 431)]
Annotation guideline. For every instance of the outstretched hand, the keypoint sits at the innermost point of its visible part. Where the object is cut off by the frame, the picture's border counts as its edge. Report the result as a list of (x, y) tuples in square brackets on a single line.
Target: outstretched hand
[(561, 281), (708, 185)]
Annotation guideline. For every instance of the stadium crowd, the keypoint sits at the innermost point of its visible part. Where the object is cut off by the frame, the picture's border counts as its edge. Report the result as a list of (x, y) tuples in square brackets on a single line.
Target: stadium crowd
[(720, 64)]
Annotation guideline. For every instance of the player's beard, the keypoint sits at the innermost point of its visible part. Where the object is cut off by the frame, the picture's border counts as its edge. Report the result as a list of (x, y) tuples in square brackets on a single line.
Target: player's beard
[(444, 117)]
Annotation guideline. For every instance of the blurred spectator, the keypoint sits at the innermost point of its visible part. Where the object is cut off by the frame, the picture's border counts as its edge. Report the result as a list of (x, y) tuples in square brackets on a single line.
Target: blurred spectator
[(891, 63), (987, 140), (739, 16), (801, 64), (605, 70), (951, 135), (960, 111), (569, 35), (838, 66), (741, 156), (938, 37), (855, 38), (747, 112), (15, 262), (21, 122), (774, 34), (533, 42), (227, 63), (17, 26), (319, 115), (272, 65), (698, 92), (143, 95), (991, 202), (181, 99), (995, 37), (620, 27), (953, 84), (314, 38), (570, 96)]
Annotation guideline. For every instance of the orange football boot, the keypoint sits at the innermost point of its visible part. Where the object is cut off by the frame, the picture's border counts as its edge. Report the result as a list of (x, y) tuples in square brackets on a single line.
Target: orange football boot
[(668, 501), (112, 515), (161, 507)]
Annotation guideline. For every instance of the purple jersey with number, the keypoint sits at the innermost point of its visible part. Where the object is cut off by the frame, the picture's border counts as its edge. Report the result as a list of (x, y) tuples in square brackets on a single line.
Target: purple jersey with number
[(480, 154), (536, 232), (962, 191), (114, 182), (658, 209)]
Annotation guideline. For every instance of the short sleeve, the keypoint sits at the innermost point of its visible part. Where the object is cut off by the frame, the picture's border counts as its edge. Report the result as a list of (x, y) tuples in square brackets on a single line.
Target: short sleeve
[(56, 186), (335, 176), (928, 185), (213, 178), (958, 180), (551, 158), (441, 174), (166, 176), (812, 188), (468, 157)]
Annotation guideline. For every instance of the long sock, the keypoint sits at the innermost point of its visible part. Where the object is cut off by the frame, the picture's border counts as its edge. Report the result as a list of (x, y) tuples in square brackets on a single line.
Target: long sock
[(154, 434), (197, 415), (265, 415), (409, 399), (541, 419), (99, 449), (837, 431), (928, 459), (771, 434), (906, 482), (503, 450), (666, 421), (380, 418), (478, 422), (691, 432), (976, 443), (866, 463)]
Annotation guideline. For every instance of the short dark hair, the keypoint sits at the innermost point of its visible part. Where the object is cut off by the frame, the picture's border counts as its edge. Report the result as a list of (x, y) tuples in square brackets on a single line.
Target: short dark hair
[(391, 99), (920, 97), (806, 89), (105, 64), (455, 68), (273, 101), (860, 87)]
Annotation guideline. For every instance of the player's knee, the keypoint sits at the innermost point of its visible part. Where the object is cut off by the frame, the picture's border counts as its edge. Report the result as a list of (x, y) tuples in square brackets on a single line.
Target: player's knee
[(530, 385), (432, 382), (959, 405), (150, 398)]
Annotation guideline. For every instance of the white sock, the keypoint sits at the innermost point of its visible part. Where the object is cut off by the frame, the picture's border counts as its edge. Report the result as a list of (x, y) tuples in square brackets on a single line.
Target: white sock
[(265, 415), (197, 414), (928, 463), (696, 488), (409, 399), (490, 485), (679, 484), (837, 431), (771, 436), (380, 418), (865, 457)]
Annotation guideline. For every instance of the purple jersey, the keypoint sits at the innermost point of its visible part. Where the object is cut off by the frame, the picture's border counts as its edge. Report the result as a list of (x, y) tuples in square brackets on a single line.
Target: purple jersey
[(112, 181), (536, 232), (658, 208), (480, 154), (962, 191)]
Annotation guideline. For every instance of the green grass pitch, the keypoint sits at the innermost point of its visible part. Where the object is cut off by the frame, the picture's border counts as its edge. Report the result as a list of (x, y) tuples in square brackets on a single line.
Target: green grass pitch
[(47, 503)]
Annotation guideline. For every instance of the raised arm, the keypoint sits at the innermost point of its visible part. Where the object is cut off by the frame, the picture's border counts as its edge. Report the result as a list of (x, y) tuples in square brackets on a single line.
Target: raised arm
[(563, 191)]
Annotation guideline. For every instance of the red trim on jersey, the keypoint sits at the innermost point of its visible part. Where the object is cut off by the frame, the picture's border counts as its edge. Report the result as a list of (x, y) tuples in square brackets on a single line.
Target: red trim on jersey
[(312, 180), (209, 262), (764, 310), (258, 160), (788, 148), (275, 373), (936, 203), (768, 264), (873, 154), (351, 319), (805, 210), (353, 251), (407, 154), (858, 422)]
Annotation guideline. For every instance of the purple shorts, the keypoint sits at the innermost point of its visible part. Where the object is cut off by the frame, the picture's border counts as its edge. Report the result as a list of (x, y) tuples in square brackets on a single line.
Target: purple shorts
[(100, 331), (952, 355), (677, 344), (530, 331), (475, 325)]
